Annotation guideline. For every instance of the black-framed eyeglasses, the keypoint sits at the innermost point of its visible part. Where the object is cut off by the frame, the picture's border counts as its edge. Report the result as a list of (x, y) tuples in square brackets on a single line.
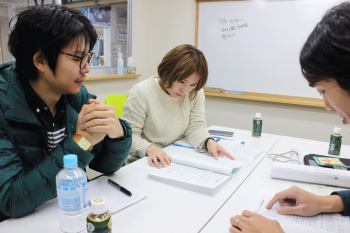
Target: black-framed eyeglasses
[(87, 58)]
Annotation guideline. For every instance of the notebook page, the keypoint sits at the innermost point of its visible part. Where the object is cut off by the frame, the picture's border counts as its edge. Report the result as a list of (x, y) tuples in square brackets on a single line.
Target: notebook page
[(191, 175), (207, 162), (331, 222), (240, 152)]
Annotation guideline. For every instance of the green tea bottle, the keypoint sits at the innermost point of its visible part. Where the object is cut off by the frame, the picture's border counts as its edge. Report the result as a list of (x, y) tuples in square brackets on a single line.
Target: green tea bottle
[(257, 125), (99, 221), (335, 143)]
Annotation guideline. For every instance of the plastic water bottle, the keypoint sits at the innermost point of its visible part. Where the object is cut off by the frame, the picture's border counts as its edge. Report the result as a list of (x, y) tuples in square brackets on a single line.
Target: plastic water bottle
[(257, 125), (335, 142), (71, 185), (120, 63)]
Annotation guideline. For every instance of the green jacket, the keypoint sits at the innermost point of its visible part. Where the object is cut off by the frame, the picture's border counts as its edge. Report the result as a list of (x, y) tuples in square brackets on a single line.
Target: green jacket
[(27, 169)]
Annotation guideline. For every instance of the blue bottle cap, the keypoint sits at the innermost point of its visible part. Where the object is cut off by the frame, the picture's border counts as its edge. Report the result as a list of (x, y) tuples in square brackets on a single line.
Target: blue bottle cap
[(70, 161)]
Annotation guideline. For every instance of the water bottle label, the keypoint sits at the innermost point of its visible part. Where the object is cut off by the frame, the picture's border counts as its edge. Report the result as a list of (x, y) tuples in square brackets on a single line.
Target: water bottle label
[(335, 145), (85, 194), (99, 225), (72, 198), (257, 127), (120, 69)]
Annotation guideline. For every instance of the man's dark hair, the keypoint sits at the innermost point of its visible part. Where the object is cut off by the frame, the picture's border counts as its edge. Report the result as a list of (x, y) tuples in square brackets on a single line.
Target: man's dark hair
[(326, 53), (47, 29)]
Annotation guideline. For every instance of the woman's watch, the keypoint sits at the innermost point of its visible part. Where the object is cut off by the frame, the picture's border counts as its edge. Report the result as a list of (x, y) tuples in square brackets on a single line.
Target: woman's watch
[(206, 142), (82, 142)]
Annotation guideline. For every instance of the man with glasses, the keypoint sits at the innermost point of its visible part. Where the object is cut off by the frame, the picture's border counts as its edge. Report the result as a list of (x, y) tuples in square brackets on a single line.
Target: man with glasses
[(46, 112)]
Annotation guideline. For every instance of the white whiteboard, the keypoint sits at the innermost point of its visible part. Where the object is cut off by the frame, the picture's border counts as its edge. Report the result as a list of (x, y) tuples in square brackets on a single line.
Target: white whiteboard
[(254, 46)]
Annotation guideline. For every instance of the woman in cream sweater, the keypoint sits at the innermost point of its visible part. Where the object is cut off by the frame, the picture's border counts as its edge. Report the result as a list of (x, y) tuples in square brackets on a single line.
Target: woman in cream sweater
[(164, 109)]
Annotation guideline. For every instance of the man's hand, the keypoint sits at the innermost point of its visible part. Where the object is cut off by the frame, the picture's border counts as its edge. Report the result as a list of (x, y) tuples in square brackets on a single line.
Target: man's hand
[(305, 203), (250, 222), (154, 154), (97, 120)]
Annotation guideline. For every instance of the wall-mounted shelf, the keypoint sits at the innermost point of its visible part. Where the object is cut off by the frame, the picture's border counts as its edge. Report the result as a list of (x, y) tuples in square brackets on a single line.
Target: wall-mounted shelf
[(272, 98), (111, 76)]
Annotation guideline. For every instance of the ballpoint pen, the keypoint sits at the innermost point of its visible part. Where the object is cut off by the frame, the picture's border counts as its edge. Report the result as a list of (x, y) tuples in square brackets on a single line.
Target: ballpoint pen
[(119, 187)]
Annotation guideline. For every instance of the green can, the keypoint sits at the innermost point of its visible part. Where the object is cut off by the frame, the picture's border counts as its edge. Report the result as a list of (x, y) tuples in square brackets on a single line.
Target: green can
[(257, 125), (335, 144)]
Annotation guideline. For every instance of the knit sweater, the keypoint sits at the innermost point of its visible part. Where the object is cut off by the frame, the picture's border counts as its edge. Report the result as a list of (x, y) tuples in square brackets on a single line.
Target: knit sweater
[(157, 118)]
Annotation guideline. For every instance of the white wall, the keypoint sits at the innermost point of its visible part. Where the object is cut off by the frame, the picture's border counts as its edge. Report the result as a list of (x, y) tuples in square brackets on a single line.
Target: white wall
[(159, 26)]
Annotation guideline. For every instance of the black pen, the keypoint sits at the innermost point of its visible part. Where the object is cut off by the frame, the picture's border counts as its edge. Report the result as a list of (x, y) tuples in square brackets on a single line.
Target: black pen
[(119, 187)]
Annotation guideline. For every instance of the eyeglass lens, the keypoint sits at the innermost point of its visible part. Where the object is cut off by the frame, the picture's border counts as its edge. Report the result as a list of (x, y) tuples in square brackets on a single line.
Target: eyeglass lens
[(86, 59)]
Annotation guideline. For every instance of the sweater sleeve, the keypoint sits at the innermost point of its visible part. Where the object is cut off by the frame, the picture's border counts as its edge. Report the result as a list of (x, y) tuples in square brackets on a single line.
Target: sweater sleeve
[(135, 113), (197, 132), (345, 196)]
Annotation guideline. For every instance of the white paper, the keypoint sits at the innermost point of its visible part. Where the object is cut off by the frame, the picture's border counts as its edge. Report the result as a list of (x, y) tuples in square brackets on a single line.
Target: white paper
[(323, 190), (240, 152), (327, 222), (310, 174), (204, 161), (183, 142), (115, 199), (191, 175)]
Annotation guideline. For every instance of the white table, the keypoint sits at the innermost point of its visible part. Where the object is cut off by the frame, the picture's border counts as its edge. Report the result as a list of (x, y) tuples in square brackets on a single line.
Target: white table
[(260, 180), (165, 209)]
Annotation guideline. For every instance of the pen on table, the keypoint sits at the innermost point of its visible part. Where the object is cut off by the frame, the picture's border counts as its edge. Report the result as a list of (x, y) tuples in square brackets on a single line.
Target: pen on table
[(119, 187)]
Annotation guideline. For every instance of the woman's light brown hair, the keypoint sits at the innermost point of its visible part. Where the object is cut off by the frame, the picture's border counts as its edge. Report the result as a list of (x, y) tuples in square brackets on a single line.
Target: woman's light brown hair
[(180, 63)]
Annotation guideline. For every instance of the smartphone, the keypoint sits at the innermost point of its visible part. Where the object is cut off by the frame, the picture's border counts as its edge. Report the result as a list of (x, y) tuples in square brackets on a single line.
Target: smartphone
[(221, 133)]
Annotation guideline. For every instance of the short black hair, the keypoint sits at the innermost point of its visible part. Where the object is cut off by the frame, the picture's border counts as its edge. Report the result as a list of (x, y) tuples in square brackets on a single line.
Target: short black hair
[(326, 53), (47, 29)]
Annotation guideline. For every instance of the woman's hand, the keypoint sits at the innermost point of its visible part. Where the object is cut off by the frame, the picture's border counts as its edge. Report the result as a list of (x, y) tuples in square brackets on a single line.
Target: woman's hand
[(217, 150), (250, 222), (154, 154), (304, 203)]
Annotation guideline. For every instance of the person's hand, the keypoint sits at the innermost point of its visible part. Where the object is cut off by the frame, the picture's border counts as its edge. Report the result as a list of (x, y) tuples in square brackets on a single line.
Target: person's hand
[(154, 154), (99, 120), (300, 202), (250, 222), (217, 150)]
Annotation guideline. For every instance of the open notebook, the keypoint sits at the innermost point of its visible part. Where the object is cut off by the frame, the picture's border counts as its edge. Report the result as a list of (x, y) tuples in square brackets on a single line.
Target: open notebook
[(199, 172)]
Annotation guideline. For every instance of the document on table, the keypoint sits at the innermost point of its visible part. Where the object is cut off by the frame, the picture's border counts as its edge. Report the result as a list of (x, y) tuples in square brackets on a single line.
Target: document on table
[(325, 222), (192, 175), (115, 199), (324, 190), (240, 152), (191, 178)]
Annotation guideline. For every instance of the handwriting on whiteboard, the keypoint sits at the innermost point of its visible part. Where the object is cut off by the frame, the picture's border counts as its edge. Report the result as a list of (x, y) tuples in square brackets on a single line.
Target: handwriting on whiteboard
[(228, 27)]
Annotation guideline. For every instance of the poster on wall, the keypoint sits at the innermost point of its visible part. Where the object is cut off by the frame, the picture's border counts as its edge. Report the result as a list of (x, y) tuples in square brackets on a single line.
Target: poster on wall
[(100, 16), (126, 49), (122, 34), (122, 16), (116, 47)]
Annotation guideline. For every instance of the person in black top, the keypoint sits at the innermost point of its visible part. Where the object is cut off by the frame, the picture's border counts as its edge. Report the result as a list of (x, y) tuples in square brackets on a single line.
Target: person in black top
[(325, 63)]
